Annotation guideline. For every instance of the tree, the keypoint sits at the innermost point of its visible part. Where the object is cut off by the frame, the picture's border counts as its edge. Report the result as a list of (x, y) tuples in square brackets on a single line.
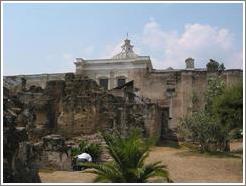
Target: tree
[(221, 67), (212, 65), (215, 88), (228, 108), (222, 117), (128, 165), (200, 127)]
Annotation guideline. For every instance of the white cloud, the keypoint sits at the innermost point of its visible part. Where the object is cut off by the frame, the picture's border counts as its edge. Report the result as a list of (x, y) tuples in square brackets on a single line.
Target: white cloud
[(199, 41)]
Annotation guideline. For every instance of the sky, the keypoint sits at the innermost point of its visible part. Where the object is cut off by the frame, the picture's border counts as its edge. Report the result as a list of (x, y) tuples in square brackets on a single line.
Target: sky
[(47, 37)]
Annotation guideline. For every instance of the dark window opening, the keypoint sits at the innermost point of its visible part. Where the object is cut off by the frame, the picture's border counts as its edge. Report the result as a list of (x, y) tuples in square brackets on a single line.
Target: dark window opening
[(121, 82), (104, 83), (170, 90)]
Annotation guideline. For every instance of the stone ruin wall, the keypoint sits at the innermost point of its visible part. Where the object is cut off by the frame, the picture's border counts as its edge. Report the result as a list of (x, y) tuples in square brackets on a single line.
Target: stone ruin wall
[(19, 154), (79, 106), (154, 85), (14, 83)]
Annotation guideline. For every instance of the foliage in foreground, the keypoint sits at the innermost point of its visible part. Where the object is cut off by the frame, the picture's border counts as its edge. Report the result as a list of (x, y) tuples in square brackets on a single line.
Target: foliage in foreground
[(128, 165)]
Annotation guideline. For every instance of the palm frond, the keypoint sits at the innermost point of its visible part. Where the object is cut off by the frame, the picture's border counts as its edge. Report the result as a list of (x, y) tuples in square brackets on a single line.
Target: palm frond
[(153, 169), (141, 160), (107, 171)]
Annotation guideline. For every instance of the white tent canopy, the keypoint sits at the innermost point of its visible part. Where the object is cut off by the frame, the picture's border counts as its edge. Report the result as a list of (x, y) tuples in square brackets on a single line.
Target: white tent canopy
[(85, 156)]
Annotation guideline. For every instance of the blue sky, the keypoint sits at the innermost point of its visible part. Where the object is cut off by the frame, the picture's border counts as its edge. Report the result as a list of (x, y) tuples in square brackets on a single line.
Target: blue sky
[(46, 38)]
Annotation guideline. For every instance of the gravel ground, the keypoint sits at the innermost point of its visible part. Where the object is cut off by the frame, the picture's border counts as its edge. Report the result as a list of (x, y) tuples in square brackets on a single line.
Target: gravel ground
[(183, 166)]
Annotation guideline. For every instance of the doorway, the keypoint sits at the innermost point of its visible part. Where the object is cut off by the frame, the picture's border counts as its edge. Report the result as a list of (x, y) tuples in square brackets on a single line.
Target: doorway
[(164, 123)]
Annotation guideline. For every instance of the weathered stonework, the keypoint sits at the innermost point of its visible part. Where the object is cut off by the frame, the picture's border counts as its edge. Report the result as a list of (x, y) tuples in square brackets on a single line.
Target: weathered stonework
[(54, 153), (77, 105), (19, 154)]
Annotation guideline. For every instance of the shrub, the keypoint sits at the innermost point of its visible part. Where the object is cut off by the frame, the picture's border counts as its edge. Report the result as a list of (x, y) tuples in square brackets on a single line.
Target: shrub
[(75, 151), (83, 145), (95, 150), (200, 127)]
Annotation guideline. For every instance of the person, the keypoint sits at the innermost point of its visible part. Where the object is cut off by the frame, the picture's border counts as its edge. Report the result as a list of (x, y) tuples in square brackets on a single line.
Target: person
[(81, 158)]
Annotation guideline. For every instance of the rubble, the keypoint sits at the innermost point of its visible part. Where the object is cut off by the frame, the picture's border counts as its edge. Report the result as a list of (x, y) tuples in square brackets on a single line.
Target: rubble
[(18, 153)]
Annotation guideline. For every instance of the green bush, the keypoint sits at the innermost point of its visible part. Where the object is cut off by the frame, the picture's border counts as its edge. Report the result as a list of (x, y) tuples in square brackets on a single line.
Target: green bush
[(95, 150), (83, 145), (200, 127), (75, 151)]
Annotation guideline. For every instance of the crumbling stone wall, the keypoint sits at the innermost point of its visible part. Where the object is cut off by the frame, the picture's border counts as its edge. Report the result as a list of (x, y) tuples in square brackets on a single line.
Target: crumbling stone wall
[(54, 153), (15, 83), (86, 108), (19, 153), (78, 105), (156, 85)]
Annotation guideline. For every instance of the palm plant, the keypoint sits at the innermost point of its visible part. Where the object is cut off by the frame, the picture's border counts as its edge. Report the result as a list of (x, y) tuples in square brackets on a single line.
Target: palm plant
[(129, 154)]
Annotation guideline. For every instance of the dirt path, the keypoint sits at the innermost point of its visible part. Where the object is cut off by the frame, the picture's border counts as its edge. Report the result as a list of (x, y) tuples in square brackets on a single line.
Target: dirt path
[(183, 166), (66, 177)]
